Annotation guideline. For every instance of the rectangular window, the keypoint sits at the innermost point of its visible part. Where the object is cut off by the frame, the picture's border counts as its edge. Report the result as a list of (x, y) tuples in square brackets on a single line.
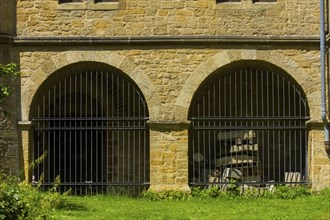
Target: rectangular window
[(254, 1), (69, 1), (97, 1), (221, 1)]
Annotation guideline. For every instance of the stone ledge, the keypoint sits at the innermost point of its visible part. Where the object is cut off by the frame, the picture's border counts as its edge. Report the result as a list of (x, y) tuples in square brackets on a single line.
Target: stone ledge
[(169, 187), (169, 125), (167, 40), (6, 39), (248, 4), (24, 125), (312, 124), (103, 6)]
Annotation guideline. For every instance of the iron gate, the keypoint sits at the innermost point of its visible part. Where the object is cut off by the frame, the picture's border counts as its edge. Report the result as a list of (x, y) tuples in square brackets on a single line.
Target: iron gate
[(92, 126), (248, 125)]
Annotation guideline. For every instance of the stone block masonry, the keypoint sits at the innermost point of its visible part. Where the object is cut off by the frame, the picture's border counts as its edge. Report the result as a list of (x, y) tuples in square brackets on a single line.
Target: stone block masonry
[(209, 39), (169, 17)]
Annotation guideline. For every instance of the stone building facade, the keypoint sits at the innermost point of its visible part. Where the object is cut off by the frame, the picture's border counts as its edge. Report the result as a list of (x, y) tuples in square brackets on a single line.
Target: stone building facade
[(168, 50)]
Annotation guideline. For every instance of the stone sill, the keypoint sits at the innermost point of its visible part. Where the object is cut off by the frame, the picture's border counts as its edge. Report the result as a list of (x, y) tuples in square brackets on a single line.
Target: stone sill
[(248, 4), (169, 125), (103, 6), (168, 40)]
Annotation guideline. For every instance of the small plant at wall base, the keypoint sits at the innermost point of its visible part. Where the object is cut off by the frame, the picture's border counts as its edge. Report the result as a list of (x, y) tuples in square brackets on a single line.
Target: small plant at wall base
[(20, 200), (7, 72)]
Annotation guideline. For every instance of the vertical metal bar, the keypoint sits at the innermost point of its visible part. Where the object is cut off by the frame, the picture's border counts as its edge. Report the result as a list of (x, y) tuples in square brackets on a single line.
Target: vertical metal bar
[(284, 114), (214, 132), (91, 132), (86, 124), (74, 93), (273, 124), (107, 95), (70, 132), (144, 150), (306, 144), (65, 133), (267, 110), (134, 135), (128, 134), (97, 145), (81, 125), (122, 89), (54, 135), (295, 123), (118, 123), (306, 155), (251, 124), (280, 156), (59, 132), (113, 134), (208, 155), (290, 132), (102, 125)]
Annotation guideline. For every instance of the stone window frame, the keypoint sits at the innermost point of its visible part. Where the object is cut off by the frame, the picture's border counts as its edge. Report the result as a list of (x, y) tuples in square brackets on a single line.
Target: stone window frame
[(250, 4), (92, 5)]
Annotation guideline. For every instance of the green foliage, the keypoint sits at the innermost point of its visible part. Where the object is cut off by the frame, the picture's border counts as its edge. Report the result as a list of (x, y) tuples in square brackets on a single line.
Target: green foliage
[(119, 207), (171, 195), (38, 161), (20, 200), (325, 192), (7, 72), (12, 205), (232, 190), (289, 192)]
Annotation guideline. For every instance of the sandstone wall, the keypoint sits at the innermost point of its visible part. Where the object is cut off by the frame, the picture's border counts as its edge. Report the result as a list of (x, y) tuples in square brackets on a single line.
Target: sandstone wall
[(7, 17), (167, 17), (168, 78), (168, 75), (319, 165), (9, 150)]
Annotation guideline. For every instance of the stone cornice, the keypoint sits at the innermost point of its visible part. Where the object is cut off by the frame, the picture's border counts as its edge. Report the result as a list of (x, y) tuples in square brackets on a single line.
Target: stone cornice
[(166, 40), (6, 39), (315, 124), (169, 125)]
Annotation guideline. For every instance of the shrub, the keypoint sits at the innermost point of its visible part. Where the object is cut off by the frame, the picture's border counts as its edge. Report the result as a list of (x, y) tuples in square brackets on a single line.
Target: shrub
[(325, 192), (20, 200), (290, 192), (232, 190), (172, 195), (12, 205)]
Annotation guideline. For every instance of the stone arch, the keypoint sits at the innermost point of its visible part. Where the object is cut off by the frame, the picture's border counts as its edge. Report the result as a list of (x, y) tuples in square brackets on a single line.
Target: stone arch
[(60, 60), (90, 118), (225, 58)]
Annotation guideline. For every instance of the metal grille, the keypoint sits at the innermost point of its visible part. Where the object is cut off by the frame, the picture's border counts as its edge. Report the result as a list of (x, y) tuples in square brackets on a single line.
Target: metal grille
[(92, 125), (248, 125)]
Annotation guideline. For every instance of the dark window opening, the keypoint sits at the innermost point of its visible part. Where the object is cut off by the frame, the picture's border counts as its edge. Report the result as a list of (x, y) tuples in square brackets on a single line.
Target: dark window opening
[(254, 1), (222, 1), (93, 127), (69, 1), (98, 1), (248, 125)]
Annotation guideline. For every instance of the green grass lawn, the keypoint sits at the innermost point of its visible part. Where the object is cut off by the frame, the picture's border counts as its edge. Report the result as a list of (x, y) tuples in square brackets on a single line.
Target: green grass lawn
[(110, 207)]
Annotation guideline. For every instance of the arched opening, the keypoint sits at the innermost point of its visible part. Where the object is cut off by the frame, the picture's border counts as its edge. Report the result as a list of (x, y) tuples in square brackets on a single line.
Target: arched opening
[(249, 125), (91, 125)]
